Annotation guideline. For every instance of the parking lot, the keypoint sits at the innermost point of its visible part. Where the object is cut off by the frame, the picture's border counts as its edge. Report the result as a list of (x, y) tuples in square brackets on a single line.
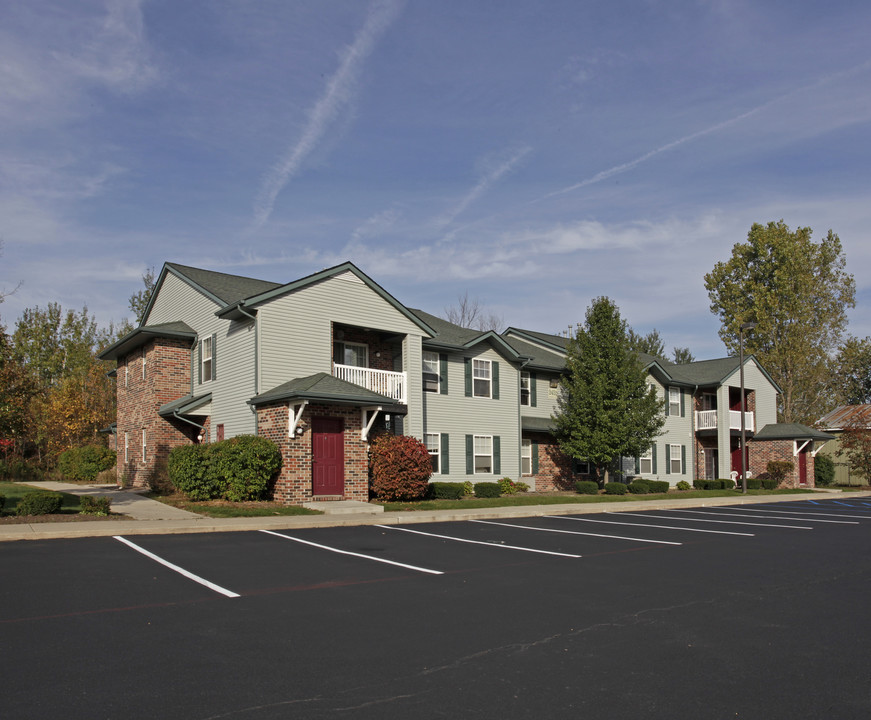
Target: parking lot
[(710, 612)]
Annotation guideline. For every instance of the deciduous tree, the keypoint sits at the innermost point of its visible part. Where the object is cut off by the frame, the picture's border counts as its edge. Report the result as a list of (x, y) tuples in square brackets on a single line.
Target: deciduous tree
[(797, 291), (851, 375), (605, 409)]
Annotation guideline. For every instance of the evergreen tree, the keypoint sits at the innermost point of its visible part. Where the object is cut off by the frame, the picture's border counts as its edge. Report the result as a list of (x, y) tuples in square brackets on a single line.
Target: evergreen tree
[(605, 409)]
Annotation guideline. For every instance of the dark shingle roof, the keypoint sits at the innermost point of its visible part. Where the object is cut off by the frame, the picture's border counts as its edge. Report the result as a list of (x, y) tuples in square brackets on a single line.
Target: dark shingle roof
[(536, 424), (226, 289), (446, 332), (539, 357), (185, 405), (141, 335), (322, 387), (703, 372), (791, 431), (548, 339)]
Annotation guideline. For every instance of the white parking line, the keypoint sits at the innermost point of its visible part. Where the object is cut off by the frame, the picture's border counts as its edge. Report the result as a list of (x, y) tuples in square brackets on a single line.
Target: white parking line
[(802, 512), (353, 554), (179, 570), (722, 522), (663, 527), (769, 517), (573, 532), (479, 542)]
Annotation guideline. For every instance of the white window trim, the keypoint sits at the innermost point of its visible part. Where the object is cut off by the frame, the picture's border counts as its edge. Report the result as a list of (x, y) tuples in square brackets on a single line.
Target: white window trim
[(476, 454), (143, 363), (525, 375), (434, 452), (674, 405), (428, 371), (489, 379), (675, 459), (525, 455), (206, 342)]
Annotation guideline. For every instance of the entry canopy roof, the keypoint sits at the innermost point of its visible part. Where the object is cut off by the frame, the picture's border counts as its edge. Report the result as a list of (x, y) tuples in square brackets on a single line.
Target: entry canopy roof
[(324, 388)]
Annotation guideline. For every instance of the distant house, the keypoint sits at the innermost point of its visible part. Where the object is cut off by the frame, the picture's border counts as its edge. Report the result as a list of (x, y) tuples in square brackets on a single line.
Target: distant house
[(835, 423), (321, 363)]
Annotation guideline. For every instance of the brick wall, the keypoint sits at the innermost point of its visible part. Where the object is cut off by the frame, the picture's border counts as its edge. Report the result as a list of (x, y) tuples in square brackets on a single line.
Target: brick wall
[(761, 452), (554, 468), (167, 378), (381, 353), (294, 483)]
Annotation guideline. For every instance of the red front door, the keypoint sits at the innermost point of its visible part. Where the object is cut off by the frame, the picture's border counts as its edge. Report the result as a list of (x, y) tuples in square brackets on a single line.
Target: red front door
[(802, 468), (328, 456)]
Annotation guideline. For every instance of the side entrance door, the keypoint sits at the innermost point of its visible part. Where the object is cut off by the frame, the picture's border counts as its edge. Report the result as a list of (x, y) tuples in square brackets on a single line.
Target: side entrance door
[(802, 468), (328, 456)]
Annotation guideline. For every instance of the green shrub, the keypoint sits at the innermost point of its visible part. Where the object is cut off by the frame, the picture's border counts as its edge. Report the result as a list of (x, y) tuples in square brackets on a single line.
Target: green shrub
[(487, 490), (94, 505), (507, 486), (769, 483), (244, 465), (18, 470), (521, 487), (40, 503), (727, 483), (754, 484), (188, 469), (446, 490), (701, 484), (587, 487), (82, 464), (683, 485), (399, 468), (777, 470), (824, 470), (2, 502), (468, 488), (638, 487), (660, 486), (615, 488)]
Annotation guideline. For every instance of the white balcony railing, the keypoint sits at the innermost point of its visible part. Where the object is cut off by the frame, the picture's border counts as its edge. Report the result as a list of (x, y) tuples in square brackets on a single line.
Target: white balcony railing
[(707, 420), (392, 384)]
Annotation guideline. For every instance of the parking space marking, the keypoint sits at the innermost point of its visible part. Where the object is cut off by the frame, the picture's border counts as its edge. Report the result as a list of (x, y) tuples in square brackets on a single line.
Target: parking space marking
[(179, 570), (761, 517), (574, 532), (721, 522), (353, 554), (804, 512), (479, 542), (662, 527)]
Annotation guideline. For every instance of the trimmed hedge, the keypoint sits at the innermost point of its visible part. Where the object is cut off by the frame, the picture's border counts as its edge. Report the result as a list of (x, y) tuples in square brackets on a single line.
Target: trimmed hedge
[(2, 502), (719, 484), (188, 468), (487, 490), (84, 463), (615, 488), (638, 487), (769, 483), (587, 487), (658, 486), (446, 490), (824, 470), (40, 503), (94, 505), (754, 484), (683, 485)]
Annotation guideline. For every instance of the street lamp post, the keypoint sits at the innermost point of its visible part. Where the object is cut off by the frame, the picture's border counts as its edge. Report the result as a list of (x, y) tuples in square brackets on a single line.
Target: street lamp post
[(741, 329)]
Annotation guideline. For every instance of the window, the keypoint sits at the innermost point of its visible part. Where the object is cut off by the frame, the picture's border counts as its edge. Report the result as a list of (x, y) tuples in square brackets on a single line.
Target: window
[(126, 372), (430, 371), (433, 444), (481, 382), (580, 467), (126, 448), (525, 387), (526, 457), (206, 354), (143, 363), (355, 354), (645, 463), (674, 401), (144, 445), (674, 459), (483, 454)]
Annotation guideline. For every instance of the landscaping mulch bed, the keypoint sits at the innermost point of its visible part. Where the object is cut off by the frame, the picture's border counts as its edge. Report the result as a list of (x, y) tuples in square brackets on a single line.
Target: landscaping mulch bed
[(57, 518)]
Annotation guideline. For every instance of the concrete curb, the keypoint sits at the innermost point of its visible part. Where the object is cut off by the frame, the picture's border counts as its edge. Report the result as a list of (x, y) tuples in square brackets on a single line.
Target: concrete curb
[(199, 524)]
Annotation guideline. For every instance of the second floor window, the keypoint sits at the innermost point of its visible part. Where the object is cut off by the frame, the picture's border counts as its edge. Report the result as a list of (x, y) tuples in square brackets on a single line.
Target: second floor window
[(481, 378), (430, 371), (674, 401), (525, 388), (206, 359), (353, 354)]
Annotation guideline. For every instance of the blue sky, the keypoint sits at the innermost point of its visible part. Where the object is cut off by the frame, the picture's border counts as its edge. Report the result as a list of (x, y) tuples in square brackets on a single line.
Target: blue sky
[(536, 154)]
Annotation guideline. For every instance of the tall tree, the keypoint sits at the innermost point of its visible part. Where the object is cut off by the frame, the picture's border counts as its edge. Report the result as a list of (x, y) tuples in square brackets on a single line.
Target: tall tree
[(851, 375), (17, 390), (471, 313), (605, 409), (139, 300), (651, 343), (797, 292), (682, 356)]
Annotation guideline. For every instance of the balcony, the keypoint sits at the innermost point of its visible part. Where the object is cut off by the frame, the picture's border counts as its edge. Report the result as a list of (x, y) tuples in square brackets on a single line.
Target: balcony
[(707, 420), (392, 384)]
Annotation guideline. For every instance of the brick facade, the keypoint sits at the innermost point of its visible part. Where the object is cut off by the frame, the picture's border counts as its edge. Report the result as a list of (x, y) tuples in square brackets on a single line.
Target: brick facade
[(761, 452), (294, 483), (166, 378), (554, 467)]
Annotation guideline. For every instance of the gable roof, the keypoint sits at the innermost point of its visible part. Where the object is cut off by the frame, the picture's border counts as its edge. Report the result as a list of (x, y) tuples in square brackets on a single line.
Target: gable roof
[(847, 416), (538, 356), (322, 388), (791, 431), (553, 342), (141, 335), (455, 337)]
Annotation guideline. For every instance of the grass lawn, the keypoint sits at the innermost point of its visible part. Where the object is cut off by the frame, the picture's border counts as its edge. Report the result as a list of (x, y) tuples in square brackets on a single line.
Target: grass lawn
[(549, 499), (69, 511), (226, 509)]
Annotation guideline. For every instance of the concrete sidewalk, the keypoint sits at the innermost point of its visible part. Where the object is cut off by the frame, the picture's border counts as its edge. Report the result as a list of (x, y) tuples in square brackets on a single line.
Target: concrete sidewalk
[(150, 517)]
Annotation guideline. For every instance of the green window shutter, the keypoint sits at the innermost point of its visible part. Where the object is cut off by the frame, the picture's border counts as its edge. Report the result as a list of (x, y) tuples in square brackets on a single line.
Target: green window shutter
[(444, 459), (214, 356), (200, 362), (497, 455), (468, 363), (535, 458), (683, 459), (637, 466), (443, 374), (470, 455), (495, 366), (682, 408), (667, 401), (667, 459), (653, 449)]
